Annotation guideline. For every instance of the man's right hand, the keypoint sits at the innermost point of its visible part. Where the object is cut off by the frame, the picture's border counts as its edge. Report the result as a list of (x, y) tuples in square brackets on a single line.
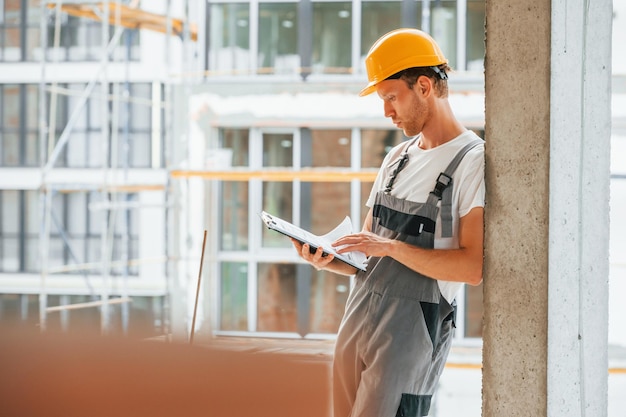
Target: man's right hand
[(315, 257)]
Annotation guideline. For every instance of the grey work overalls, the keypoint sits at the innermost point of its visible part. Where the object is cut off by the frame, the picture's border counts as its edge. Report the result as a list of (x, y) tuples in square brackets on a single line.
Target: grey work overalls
[(397, 330)]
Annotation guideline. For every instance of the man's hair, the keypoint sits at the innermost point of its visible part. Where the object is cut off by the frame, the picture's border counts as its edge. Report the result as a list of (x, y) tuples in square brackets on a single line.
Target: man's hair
[(438, 74)]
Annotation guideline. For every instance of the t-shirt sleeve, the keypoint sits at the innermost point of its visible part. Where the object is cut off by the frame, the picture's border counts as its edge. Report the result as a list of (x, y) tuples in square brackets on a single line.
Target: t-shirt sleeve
[(472, 180)]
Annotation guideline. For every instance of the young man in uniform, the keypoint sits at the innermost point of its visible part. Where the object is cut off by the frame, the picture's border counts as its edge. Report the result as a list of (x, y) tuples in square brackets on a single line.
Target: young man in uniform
[(423, 236)]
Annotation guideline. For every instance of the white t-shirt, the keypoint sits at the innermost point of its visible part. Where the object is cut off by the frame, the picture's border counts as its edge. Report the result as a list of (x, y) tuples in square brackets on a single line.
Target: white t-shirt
[(419, 176)]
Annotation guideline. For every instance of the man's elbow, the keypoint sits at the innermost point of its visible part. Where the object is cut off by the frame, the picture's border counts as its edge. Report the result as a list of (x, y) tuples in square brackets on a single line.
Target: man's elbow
[(475, 280), (475, 275)]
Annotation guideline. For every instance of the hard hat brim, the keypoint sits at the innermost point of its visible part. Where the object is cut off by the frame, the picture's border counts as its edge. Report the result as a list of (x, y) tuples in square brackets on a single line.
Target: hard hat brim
[(369, 89)]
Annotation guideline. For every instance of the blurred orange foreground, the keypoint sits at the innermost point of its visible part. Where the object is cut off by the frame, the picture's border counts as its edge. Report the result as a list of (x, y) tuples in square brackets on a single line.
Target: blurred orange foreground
[(72, 376)]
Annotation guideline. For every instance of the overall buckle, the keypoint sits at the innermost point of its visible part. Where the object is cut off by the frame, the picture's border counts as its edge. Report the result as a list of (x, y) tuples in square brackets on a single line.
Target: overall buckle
[(442, 182)]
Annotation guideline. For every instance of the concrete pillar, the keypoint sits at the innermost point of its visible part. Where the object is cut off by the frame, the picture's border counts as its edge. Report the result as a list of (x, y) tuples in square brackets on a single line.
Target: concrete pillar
[(580, 126), (547, 74)]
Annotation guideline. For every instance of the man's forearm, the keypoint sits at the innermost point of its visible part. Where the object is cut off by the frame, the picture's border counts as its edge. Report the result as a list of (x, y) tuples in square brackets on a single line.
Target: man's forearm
[(459, 265), (340, 267)]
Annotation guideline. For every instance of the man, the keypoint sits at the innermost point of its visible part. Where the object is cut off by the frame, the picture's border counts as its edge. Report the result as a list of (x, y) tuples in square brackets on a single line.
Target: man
[(423, 236)]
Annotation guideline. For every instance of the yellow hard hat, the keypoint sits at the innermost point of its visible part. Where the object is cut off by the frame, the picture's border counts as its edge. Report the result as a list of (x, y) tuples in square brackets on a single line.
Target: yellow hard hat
[(398, 50)]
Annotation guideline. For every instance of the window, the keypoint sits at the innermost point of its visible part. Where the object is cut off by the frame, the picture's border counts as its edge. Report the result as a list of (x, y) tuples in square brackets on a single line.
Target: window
[(77, 224), (264, 288), (80, 39), (277, 196), (234, 194), (332, 37), (10, 220), (278, 38), (19, 142), (229, 39), (129, 146), (475, 35), (19, 231), (234, 296), (327, 27), (378, 18), (443, 21), (75, 231), (19, 30), (19, 127)]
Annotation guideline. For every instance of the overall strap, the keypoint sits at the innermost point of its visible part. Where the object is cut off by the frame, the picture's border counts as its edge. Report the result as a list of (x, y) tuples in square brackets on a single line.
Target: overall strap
[(443, 188), (403, 153)]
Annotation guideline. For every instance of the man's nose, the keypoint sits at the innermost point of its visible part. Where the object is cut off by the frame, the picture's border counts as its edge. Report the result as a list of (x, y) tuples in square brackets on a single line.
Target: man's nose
[(388, 109)]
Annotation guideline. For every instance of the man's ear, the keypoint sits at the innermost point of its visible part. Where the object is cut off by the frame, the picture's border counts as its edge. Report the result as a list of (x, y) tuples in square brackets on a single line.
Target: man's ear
[(424, 85)]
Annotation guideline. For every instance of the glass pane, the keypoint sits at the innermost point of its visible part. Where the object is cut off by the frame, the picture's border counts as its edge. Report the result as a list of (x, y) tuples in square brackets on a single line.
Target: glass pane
[(375, 144), (10, 149), (31, 213), (234, 215), (11, 211), (277, 150), (276, 310), (134, 254), (79, 246), (329, 294), (278, 38), (234, 296), (332, 37), (34, 12), (366, 188), (12, 52), (12, 13), (11, 107), (140, 116), (77, 214), (95, 157), (94, 251), (325, 205), (330, 148), (74, 100), (95, 216), (9, 254), (33, 258), (475, 35), (31, 158), (277, 200), (32, 107), (378, 18), (55, 253), (238, 141), (32, 44), (76, 150), (229, 37), (94, 110), (443, 28), (139, 149), (92, 43)]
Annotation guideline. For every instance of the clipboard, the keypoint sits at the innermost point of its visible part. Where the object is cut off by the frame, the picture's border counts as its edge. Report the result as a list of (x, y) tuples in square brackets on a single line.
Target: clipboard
[(355, 258)]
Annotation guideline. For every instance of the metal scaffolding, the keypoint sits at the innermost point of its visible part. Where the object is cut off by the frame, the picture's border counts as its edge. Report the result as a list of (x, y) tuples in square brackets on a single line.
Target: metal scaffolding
[(119, 17)]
